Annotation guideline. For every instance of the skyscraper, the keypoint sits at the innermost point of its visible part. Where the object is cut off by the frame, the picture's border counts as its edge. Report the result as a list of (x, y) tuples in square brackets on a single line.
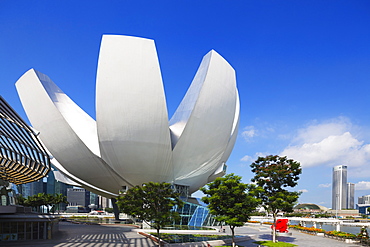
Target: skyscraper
[(350, 196), (339, 190)]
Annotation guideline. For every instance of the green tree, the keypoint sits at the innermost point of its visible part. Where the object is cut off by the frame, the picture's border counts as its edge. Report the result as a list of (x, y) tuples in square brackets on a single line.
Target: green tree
[(21, 200), (58, 199), (49, 201), (36, 201), (40, 199), (229, 200), (152, 203), (273, 174)]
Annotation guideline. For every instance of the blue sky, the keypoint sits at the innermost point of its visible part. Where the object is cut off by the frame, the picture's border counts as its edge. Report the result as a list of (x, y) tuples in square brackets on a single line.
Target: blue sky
[(303, 69)]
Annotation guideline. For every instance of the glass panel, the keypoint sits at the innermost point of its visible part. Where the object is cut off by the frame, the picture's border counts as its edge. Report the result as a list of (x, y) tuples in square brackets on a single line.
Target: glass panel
[(35, 230), (14, 227), (6, 227), (28, 230), (41, 230), (21, 226)]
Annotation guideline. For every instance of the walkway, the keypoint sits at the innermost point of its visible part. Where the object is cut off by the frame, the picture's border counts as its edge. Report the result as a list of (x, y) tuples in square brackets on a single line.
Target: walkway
[(73, 235), (263, 233)]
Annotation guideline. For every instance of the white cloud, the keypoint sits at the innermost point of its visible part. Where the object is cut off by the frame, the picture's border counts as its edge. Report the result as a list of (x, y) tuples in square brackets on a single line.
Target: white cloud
[(316, 132), (247, 158), (362, 185), (304, 190), (259, 154), (249, 132), (330, 143), (324, 185)]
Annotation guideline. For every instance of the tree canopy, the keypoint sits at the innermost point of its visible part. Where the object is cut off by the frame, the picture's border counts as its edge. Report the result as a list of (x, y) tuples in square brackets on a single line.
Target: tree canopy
[(273, 174), (152, 202), (229, 200), (42, 199)]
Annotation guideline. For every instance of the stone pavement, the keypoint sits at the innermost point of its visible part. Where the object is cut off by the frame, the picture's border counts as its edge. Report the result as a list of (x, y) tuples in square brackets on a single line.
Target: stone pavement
[(260, 233), (71, 235)]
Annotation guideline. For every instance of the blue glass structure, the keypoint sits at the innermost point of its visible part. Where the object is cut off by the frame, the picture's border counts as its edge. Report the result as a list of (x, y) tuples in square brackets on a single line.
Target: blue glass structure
[(194, 213)]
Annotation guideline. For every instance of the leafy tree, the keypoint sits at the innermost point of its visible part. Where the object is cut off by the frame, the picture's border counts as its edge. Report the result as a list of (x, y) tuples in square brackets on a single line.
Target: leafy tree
[(272, 175), (49, 200), (152, 202), (228, 199), (57, 200), (21, 200), (36, 201), (40, 199)]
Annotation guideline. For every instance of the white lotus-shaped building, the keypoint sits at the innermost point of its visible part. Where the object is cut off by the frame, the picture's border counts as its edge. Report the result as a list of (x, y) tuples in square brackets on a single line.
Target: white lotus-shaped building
[(132, 140)]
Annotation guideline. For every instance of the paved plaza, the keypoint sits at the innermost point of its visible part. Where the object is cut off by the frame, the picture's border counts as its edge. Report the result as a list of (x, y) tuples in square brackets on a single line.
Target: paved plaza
[(301, 239), (71, 235)]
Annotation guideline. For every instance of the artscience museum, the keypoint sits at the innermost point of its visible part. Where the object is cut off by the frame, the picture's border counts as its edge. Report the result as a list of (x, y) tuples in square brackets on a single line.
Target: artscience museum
[(133, 140)]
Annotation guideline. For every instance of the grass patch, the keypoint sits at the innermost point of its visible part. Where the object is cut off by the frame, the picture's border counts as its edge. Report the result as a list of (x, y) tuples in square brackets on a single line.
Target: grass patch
[(272, 244)]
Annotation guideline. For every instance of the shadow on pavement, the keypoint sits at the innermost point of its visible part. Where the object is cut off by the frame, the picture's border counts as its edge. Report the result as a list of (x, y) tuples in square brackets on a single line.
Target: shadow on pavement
[(89, 236), (279, 238)]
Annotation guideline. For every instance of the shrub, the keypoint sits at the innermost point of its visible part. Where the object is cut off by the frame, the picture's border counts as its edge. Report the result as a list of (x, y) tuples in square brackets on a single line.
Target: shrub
[(341, 234), (184, 238), (108, 210), (308, 229)]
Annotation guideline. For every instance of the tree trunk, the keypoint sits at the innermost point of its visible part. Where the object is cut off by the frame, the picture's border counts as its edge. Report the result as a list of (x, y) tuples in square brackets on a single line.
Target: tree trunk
[(159, 237), (232, 236), (274, 228)]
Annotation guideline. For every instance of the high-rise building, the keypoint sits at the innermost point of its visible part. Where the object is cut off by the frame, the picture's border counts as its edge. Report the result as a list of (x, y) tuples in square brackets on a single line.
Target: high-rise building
[(339, 190), (364, 199), (350, 196), (104, 202), (94, 200), (78, 197)]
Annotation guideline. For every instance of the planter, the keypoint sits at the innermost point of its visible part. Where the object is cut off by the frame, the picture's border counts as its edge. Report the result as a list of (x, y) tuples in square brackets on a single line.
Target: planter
[(351, 241)]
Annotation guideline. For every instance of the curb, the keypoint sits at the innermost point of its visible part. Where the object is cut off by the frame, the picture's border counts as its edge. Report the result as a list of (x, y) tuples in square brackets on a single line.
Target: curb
[(200, 244)]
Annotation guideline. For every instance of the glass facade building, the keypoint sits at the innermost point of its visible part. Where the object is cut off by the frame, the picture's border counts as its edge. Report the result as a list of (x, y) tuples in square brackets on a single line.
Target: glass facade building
[(24, 163), (194, 213), (22, 157), (339, 190), (350, 195)]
